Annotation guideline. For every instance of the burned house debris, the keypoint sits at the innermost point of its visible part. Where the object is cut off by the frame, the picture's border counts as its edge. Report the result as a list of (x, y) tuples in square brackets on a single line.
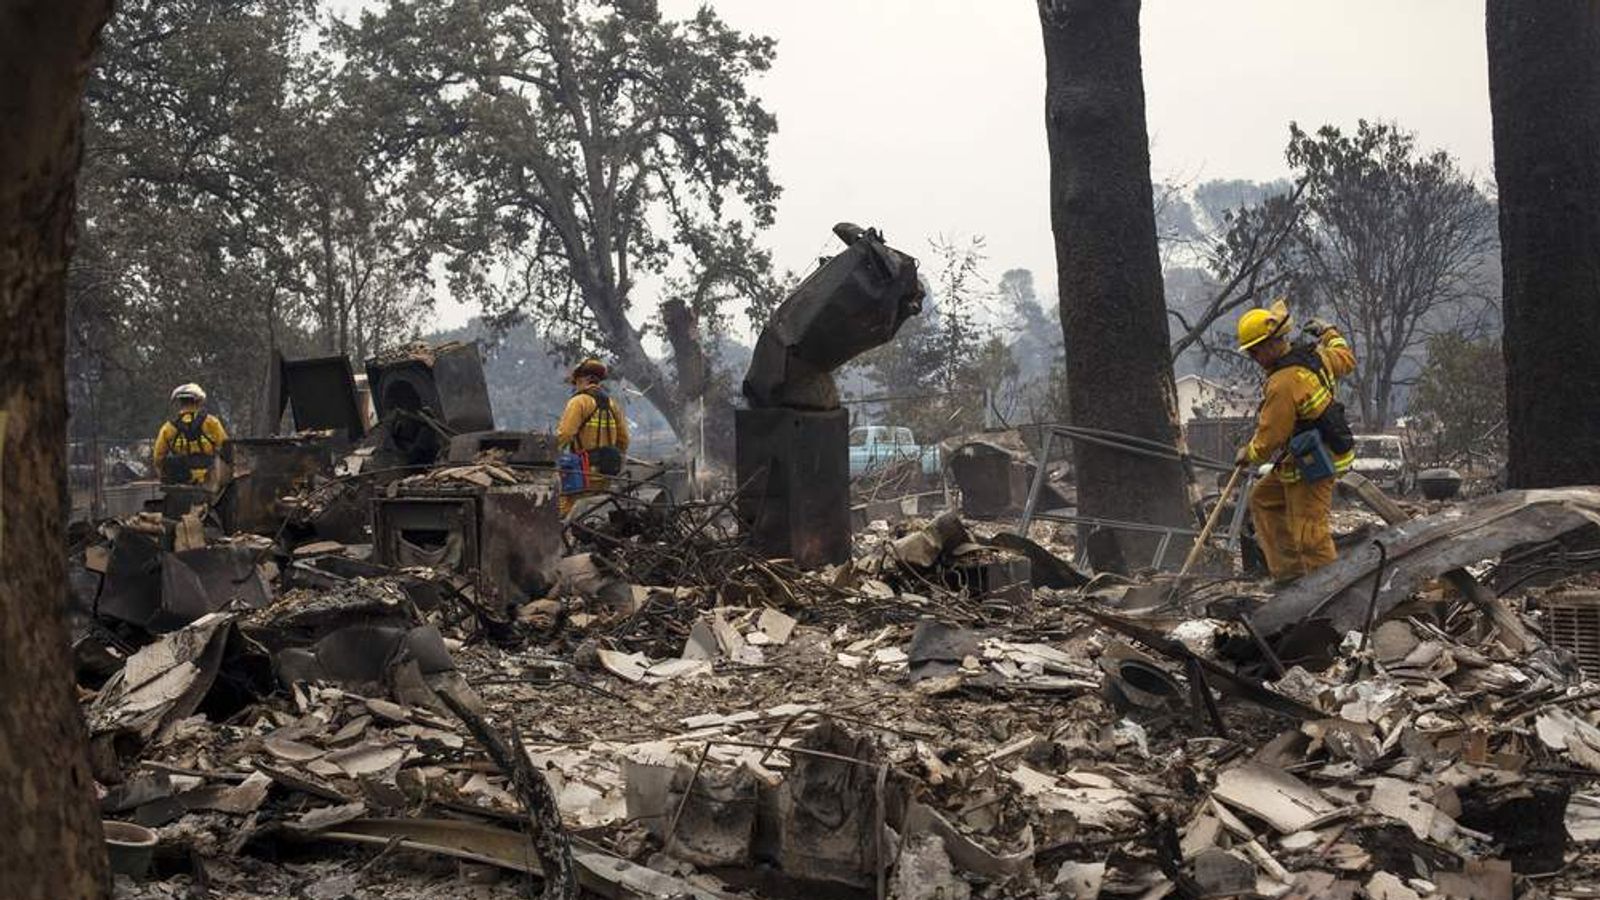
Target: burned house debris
[(456, 687)]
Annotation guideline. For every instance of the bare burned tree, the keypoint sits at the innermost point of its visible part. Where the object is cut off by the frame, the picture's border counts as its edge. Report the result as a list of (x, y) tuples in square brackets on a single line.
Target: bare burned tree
[(1396, 242), (1248, 261), (1544, 90), (53, 847), (1113, 314)]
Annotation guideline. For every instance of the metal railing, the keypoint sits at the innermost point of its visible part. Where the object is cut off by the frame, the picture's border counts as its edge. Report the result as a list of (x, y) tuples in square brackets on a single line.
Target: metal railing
[(1137, 446)]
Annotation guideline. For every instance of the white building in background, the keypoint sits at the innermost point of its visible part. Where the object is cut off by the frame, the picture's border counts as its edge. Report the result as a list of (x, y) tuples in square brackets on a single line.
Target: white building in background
[(1201, 397)]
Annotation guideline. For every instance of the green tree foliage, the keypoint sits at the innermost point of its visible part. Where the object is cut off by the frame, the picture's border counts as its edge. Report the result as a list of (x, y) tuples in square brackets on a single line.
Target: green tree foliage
[(1461, 396), (939, 368), (578, 148), (230, 207), (1219, 200), (172, 280), (997, 373), (1036, 343), (1397, 245)]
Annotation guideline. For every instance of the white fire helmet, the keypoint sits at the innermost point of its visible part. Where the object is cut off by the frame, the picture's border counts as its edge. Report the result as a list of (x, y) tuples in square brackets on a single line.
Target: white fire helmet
[(190, 391)]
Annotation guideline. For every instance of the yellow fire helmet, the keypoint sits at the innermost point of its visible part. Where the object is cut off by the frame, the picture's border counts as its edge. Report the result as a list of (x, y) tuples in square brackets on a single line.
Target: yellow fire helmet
[(1259, 325)]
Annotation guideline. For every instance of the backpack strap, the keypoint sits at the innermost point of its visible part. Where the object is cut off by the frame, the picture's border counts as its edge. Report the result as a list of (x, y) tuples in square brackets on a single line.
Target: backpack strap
[(602, 401), (193, 430), (1306, 357)]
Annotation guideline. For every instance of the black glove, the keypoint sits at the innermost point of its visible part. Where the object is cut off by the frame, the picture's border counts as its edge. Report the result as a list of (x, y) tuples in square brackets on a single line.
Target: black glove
[(1316, 327)]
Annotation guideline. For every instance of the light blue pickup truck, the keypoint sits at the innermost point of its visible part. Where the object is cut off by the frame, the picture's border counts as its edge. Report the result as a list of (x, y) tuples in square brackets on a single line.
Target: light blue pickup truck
[(874, 447)]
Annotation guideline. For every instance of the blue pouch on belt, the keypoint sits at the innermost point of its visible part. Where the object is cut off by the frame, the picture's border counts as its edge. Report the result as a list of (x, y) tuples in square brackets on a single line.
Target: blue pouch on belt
[(574, 472), (1311, 455)]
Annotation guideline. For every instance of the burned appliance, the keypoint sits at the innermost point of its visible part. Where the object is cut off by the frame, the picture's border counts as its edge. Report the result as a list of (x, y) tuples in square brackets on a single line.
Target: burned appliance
[(322, 395), (445, 383), (164, 591), (1572, 623), (320, 392), (439, 532), (994, 481), (266, 470), (792, 452), (509, 534)]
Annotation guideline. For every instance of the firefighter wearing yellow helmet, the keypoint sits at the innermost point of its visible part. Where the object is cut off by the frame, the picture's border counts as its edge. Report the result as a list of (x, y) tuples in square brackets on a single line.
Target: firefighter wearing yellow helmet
[(1301, 427), (188, 443), (592, 434)]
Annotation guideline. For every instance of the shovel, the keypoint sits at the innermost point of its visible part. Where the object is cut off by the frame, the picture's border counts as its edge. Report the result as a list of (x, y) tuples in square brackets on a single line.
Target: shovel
[(1210, 526)]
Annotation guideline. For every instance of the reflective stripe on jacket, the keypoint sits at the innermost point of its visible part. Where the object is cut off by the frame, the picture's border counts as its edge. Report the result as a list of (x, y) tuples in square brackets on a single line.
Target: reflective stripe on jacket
[(585, 426), (191, 440), (1297, 394)]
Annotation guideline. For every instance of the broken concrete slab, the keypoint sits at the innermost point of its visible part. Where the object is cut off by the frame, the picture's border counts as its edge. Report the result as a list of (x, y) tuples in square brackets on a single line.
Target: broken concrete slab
[(1399, 799), (1387, 886), (775, 625)]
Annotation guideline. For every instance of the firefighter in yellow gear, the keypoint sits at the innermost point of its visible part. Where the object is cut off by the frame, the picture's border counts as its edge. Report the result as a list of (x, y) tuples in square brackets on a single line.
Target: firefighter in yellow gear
[(188, 443), (1290, 511), (592, 425)]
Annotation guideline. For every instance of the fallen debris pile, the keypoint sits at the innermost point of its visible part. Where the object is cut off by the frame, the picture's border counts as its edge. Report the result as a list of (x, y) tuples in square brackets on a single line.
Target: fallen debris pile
[(948, 714)]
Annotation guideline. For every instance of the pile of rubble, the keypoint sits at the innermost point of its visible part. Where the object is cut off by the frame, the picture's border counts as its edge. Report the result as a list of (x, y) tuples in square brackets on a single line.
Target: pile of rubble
[(948, 714), (375, 661)]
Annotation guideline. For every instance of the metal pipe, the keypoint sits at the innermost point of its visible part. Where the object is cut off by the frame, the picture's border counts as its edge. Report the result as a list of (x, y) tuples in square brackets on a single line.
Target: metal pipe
[(1096, 522), (1139, 446), (1038, 484)]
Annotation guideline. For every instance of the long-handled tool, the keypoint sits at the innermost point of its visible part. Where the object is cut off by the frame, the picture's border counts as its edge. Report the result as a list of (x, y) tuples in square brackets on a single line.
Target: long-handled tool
[(1211, 524)]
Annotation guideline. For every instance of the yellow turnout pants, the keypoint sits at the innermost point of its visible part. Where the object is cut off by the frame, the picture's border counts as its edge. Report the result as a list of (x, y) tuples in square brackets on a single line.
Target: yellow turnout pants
[(1291, 519)]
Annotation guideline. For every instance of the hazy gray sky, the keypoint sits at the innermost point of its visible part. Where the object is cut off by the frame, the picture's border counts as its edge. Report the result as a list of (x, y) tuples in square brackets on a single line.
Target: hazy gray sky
[(926, 116)]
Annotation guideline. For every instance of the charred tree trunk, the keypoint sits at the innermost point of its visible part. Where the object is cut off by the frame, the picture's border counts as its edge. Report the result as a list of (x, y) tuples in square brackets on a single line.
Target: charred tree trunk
[(1113, 313), (669, 397), (52, 848), (1544, 91), (707, 404)]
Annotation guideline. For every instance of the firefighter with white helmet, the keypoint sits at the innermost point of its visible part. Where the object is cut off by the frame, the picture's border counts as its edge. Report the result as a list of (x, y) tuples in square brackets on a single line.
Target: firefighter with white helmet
[(188, 443)]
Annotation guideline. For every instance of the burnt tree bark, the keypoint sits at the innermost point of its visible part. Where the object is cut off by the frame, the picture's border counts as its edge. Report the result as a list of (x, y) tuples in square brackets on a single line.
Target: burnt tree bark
[(1113, 312), (707, 403), (53, 848), (1544, 92)]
